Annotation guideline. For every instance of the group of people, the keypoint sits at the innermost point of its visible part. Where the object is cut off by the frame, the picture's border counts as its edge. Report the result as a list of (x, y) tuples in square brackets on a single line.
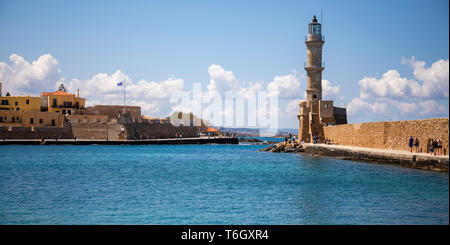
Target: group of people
[(434, 146), (290, 139)]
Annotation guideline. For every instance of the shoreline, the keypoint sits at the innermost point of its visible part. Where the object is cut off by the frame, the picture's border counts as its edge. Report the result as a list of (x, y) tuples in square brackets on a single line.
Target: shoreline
[(422, 161), (170, 141)]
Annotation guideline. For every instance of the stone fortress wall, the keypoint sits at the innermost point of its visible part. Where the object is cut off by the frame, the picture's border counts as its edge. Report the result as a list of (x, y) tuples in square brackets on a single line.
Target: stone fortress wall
[(64, 132), (136, 131), (390, 135), (98, 131)]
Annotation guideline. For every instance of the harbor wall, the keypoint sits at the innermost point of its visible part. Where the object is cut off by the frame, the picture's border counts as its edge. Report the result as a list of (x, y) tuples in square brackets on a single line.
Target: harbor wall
[(98, 131), (64, 132), (137, 131), (390, 135)]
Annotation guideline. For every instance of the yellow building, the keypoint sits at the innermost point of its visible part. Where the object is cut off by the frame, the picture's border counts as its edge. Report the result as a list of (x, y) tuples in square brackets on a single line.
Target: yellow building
[(20, 103), (61, 102), (31, 119)]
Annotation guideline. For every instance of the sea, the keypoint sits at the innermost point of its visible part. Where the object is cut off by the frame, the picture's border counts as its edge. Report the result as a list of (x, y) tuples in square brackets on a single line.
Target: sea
[(209, 184)]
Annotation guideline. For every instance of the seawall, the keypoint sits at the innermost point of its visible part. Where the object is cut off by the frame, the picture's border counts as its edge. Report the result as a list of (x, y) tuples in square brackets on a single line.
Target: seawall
[(182, 141), (423, 161), (390, 135)]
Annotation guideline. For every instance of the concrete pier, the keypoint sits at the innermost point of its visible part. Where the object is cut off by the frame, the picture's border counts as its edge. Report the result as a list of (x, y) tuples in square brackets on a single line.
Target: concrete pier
[(171, 141), (423, 161)]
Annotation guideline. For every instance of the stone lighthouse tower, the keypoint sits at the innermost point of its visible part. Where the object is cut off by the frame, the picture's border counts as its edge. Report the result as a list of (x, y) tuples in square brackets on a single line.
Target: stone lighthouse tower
[(315, 113)]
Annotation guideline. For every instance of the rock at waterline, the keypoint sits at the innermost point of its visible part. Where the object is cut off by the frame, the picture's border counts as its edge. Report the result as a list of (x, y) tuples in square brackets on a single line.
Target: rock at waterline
[(283, 147)]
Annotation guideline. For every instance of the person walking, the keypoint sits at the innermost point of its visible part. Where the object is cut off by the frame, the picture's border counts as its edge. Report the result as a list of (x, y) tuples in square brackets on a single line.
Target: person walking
[(416, 144), (439, 146), (430, 147), (411, 143), (435, 147)]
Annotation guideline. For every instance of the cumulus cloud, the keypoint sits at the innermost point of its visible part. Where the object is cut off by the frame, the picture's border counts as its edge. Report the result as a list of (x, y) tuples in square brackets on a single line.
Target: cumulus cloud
[(435, 78), (292, 109), (158, 90), (25, 77), (221, 80), (432, 82), (404, 107), (285, 87), (329, 91), (359, 106), (101, 86), (151, 96), (431, 107), (393, 95)]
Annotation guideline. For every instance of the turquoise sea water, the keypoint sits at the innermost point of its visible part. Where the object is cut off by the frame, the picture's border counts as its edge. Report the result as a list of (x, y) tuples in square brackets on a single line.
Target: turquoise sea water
[(210, 184)]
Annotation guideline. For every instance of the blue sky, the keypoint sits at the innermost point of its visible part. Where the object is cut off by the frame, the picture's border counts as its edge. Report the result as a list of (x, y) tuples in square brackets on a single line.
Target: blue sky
[(255, 40)]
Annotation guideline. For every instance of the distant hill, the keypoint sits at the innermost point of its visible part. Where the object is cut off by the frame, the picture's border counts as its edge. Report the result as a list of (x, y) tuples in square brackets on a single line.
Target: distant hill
[(254, 132)]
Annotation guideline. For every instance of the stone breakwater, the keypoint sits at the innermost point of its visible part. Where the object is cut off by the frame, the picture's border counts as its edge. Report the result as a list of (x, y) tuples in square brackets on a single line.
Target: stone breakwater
[(403, 158)]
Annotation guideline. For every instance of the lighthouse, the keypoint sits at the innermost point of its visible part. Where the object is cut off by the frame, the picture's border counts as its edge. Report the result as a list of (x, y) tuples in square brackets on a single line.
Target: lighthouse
[(314, 43), (315, 113)]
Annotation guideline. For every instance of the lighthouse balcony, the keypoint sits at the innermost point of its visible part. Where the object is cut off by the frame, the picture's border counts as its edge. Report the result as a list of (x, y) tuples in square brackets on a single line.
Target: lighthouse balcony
[(322, 66), (314, 37)]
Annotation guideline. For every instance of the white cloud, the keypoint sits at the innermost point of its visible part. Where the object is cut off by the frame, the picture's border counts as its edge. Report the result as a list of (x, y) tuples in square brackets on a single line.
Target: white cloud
[(101, 86), (435, 78), (329, 91), (23, 77), (359, 106), (292, 109), (158, 90), (404, 107), (151, 96), (431, 107), (432, 82), (393, 95), (391, 85), (222, 80), (285, 87)]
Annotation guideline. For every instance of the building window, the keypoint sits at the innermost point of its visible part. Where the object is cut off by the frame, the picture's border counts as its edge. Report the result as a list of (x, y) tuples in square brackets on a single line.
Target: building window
[(55, 102), (64, 112), (5, 102), (314, 96), (41, 121), (53, 122), (28, 102), (31, 120), (69, 112), (17, 118), (326, 105), (17, 109), (13, 119), (16, 103)]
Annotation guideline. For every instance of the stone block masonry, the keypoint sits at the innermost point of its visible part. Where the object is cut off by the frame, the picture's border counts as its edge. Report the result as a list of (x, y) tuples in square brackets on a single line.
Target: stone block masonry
[(390, 135), (422, 161), (64, 132)]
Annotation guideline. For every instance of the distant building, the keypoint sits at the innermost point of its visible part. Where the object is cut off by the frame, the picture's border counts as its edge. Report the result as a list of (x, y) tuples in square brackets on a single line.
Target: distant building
[(26, 111), (314, 112), (147, 119), (19, 103), (212, 131), (62, 102), (114, 111)]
